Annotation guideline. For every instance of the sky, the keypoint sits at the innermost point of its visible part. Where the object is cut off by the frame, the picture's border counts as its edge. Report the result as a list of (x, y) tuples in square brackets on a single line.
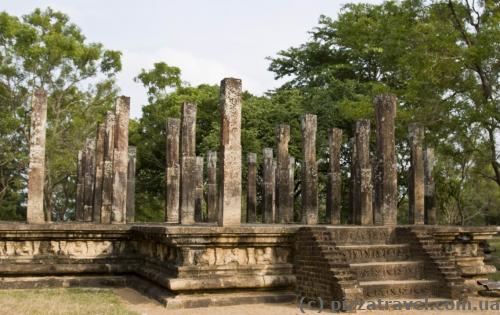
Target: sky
[(208, 40)]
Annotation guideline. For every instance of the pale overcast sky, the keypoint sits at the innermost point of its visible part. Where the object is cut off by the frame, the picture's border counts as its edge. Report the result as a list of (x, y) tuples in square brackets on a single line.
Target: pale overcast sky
[(207, 40)]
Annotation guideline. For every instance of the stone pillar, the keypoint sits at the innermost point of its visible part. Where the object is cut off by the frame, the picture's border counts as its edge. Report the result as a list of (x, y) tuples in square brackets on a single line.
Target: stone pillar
[(80, 184), (284, 204), (386, 190), (99, 172), (230, 153), (364, 170), (198, 199), (107, 181), (120, 160), (275, 184), (430, 188), (88, 188), (132, 157), (416, 185), (212, 186), (291, 186), (334, 184), (172, 171), (188, 163), (36, 172), (354, 213), (268, 187), (252, 188), (308, 125)]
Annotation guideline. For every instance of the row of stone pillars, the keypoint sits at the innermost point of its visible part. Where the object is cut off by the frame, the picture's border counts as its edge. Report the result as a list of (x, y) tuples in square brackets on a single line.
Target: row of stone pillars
[(106, 170), (105, 190), (373, 178)]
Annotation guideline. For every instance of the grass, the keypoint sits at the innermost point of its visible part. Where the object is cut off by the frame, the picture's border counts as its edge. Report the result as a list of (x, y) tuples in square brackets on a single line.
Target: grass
[(74, 301), (495, 243)]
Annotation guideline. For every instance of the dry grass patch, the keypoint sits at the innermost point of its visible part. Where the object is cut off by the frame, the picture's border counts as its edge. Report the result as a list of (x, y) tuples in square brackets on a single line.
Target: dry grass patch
[(75, 301)]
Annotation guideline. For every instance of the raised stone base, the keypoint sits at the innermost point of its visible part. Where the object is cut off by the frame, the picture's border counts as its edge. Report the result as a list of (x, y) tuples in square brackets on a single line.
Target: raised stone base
[(193, 266)]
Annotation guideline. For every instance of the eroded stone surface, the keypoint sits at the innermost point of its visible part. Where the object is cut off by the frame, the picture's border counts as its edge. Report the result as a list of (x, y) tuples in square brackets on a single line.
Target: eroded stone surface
[(386, 185), (309, 170), (36, 171), (229, 213), (416, 178)]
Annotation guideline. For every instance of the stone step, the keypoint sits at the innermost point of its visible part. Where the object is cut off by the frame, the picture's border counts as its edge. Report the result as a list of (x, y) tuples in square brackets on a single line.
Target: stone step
[(413, 288), (355, 235), (372, 253), (391, 270)]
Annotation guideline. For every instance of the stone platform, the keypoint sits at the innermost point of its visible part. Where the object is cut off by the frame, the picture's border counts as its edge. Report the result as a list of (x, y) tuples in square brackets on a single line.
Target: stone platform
[(192, 266)]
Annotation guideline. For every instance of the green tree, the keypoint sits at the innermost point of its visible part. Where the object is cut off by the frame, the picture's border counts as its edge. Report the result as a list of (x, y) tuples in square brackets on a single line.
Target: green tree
[(440, 58), (45, 50)]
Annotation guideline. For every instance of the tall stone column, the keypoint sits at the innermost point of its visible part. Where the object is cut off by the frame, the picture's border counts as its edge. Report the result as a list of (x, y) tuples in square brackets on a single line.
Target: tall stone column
[(386, 177), (120, 160), (188, 163), (172, 171), (416, 185), (430, 188), (99, 172), (36, 172), (284, 204), (268, 186), (80, 184), (132, 158), (230, 153), (308, 125), (212, 195), (334, 184), (252, 188), (291, 186), (198, 200), (88, 189), (107, 181), (355, 212), (364, 170), (275, 218)]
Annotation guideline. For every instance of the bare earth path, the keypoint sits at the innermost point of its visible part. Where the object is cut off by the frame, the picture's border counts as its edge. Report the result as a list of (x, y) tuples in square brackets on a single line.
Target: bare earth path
[(145, 306)]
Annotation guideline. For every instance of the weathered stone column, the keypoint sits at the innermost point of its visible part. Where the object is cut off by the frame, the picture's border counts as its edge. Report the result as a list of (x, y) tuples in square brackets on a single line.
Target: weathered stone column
[(275, 218), (120, 160), (88, 189), (430, 188), (132, 157), (291, 186), (107, 181), (268, 188), (334, 184), (36, 172), (212, 186), (188, 163), (198, 199), (284, 204), (416, 186), (172, 171), (355, 212), (309, 183), (230, 153), (364, 170), (80, 184), (252, 188), (387, 179), (99, 172)]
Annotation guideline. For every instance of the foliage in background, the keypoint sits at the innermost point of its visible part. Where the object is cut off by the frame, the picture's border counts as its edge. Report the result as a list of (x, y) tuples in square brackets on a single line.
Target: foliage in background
[(45, 50), (441, 58)]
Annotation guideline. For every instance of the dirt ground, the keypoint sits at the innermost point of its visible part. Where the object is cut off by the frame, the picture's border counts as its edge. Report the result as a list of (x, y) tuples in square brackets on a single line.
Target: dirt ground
[(136, 302)]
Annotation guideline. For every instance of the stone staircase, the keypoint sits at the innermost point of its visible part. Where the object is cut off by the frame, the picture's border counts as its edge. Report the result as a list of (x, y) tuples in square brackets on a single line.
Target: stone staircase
[(370, 263)]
